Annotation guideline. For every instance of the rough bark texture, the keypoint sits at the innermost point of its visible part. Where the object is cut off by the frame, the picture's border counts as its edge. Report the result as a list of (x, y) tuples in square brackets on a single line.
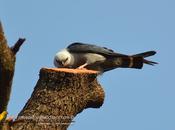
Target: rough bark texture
[(7, 68), (7, 63), (59, 95)]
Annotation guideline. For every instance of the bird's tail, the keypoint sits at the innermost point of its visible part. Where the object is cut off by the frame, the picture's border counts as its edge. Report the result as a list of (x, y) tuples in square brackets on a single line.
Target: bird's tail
[(137, 60), (145, 54), (125, 61)]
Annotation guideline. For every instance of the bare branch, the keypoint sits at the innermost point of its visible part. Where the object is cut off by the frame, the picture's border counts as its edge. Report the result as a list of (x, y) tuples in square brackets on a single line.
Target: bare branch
[(17, 45)]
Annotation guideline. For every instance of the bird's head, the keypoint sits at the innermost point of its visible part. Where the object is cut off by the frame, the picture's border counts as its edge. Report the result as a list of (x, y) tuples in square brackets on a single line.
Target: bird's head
[(62, 59)]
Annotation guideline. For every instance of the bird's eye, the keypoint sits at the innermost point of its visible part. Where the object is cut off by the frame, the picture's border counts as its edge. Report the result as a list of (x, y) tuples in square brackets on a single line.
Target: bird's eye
[(59, 62)]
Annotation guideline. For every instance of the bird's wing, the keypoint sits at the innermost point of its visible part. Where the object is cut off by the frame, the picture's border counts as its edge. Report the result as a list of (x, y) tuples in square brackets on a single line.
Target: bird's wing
[(89, 48)]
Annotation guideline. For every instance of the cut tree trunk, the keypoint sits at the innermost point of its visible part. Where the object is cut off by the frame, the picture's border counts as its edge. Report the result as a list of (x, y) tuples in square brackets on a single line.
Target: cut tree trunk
[(59, 95)]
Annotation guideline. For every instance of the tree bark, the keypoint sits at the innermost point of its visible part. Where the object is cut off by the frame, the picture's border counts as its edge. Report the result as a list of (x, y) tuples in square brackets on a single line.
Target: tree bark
[(7, 68), (7, 64), (59, 95)]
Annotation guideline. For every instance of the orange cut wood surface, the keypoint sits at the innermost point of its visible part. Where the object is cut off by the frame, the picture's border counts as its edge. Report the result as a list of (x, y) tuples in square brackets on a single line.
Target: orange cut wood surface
[(72, 70)]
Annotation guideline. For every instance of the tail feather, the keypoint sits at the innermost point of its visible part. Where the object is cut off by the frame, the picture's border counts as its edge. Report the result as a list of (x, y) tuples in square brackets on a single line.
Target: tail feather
[(132, 62), (149, 62), (136, 61), (145, 54)]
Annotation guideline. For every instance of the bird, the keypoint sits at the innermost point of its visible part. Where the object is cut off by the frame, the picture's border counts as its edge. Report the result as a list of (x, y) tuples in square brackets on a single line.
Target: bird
[(90, 56)]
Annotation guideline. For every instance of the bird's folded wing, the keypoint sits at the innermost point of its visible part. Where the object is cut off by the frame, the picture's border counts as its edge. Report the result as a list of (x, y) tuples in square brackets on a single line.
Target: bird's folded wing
[(89, 48)]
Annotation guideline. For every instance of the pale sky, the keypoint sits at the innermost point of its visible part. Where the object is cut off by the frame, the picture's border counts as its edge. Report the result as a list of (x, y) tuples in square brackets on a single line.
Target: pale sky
[(135, 99)]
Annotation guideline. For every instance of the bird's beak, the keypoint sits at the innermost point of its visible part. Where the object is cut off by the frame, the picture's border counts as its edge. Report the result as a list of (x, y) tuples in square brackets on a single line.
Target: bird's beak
[(62, 63)]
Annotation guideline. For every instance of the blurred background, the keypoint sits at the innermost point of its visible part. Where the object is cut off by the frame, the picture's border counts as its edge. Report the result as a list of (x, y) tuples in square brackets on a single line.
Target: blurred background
[(135, 99)]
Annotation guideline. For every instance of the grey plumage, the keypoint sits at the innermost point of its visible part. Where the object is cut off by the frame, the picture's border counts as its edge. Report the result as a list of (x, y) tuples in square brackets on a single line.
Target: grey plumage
[(99, 58)]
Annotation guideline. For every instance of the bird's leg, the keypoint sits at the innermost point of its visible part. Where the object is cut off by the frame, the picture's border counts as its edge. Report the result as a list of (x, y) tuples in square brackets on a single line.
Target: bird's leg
[(82, 66)]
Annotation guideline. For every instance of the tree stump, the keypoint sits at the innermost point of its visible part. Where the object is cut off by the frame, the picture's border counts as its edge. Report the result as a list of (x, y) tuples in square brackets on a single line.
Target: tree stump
[(59, 95)]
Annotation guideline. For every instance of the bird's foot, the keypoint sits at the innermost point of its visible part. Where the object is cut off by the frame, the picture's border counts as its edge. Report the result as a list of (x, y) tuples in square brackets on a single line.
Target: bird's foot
[(82, 66)]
